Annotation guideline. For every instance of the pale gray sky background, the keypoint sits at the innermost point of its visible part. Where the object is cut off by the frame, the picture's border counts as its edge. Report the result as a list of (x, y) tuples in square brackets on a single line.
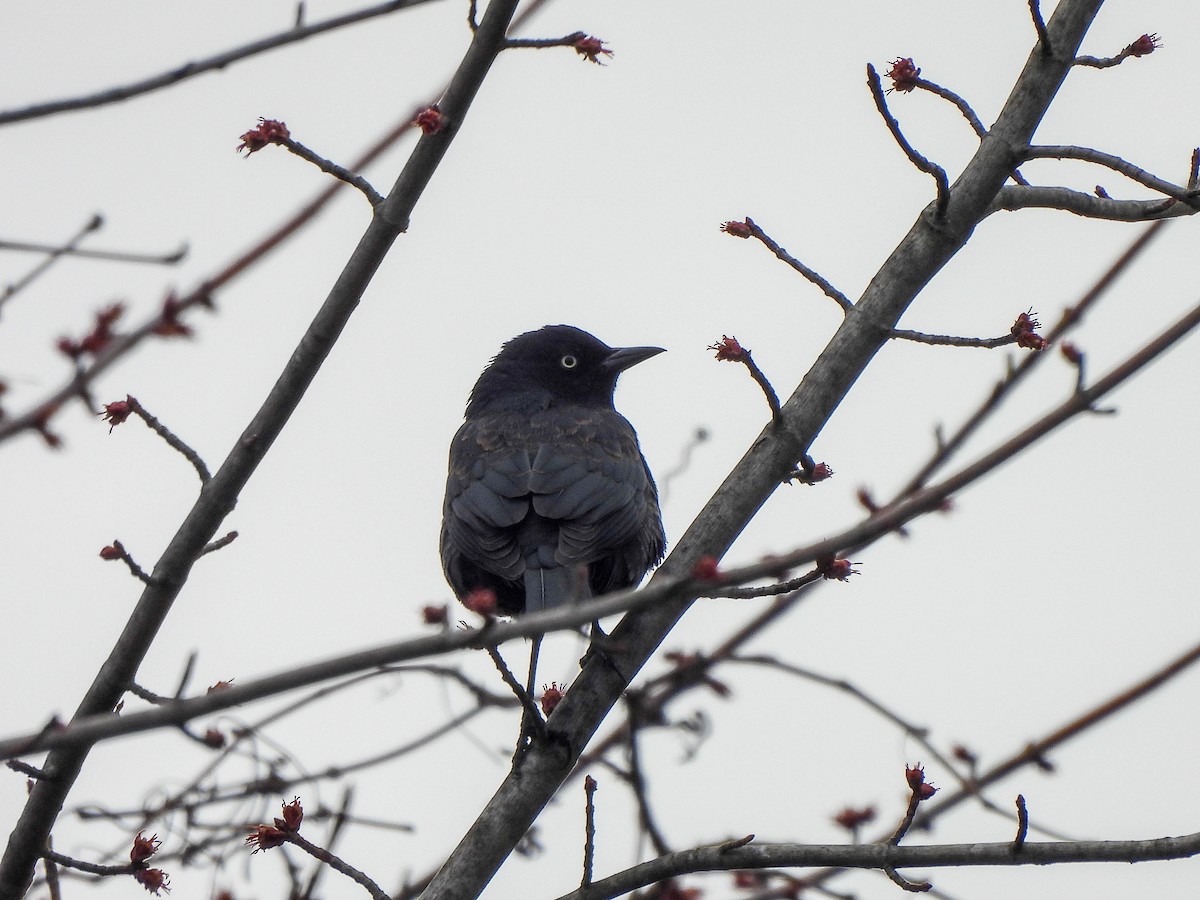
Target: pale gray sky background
[(592, 195)]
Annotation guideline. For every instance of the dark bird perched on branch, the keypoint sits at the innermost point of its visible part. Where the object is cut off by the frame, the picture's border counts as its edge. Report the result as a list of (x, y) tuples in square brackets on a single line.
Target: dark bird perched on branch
[(549, 499)]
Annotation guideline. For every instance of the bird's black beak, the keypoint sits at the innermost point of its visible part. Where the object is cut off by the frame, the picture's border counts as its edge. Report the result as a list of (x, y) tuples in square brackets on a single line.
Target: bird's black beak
[(622, 358)]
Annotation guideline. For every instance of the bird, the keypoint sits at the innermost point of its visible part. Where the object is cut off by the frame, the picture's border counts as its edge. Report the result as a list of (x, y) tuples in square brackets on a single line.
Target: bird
[(549, 500)]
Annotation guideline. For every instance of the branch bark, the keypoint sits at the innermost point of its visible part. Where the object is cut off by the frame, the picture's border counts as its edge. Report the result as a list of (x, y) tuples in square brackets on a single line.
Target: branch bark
[(27, 841), (929, 245)]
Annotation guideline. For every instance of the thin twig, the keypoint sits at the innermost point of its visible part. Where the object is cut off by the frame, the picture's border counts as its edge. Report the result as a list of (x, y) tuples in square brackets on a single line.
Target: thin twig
[(172, 441), (212, 63), (930, 168), (335, 831), (1071, 318), (729, 349), (172, 258), (946, 94), (589, 829), (768, 590), (830, 291), (534, 715), (338, 864), (116, 550), (1116, 164), (1039, 25), (948, 340), (916, 887), (1022, 824), (331, 168), (568, 40), (637, 781), (53, 254), (219, 543)]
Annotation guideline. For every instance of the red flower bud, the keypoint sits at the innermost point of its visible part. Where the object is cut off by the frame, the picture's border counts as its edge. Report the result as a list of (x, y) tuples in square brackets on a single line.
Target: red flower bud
[(737, 229), (117, 412), (728, 349), (153, 880), (293, 815), (904, 75), (482, 601), (706, 569), (837, 569), (1144, 45), (591, 49), (436, 615), (551, 697), (144, 847), (268, 131), (430, 120)]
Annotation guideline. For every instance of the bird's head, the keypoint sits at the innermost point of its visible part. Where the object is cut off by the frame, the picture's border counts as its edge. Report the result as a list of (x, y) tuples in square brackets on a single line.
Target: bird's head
[(557, 362)]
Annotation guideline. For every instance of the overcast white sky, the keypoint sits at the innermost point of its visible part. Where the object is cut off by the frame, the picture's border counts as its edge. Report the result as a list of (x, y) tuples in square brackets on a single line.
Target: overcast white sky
[(592, 195)]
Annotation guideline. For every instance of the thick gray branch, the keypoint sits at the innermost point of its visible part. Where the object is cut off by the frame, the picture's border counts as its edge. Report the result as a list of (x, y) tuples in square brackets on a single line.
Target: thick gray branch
[(928, 246)]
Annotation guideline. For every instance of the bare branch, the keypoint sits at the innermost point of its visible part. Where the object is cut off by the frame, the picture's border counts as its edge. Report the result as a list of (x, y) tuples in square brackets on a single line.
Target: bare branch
[(211, 63), (1129, 170), (930, 168), (331, 168), (1014, 197), (53, 254), (829, 290), (881, 856), (959, 102)]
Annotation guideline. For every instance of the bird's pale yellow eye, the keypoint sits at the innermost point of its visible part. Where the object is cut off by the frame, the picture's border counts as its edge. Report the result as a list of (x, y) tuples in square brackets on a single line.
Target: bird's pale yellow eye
[(568, 362)]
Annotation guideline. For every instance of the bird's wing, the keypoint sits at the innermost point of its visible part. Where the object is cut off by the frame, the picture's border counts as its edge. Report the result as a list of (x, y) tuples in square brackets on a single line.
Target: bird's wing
[(594, 483), (487, 493)]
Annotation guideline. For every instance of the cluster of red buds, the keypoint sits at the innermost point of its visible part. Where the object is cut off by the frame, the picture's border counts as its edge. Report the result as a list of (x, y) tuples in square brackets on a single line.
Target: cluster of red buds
[(1143, 46), (904, 75), (915, 776), (591, 49), (98, 338), (481, 601), (706, 569), (853, 818), (1024, 331), (728, 349), (268, 131), (430, 120), (551, 696), (266, 837), (435, 615), (153, 880), (837, 569), (117, 412), (737, 229)]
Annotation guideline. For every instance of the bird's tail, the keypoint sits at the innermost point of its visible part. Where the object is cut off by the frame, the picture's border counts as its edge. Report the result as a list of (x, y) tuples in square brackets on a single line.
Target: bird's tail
[(554, 586)]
